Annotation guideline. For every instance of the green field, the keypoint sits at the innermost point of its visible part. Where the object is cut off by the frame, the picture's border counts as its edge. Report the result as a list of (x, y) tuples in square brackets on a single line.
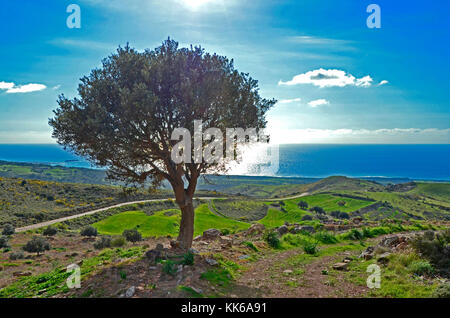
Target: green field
[(164, 223)]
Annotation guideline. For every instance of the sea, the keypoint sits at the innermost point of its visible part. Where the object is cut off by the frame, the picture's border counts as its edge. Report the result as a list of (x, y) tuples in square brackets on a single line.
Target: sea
[(418, 162)]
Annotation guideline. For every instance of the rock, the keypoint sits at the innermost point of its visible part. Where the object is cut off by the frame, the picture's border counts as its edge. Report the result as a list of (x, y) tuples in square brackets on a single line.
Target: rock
[(211, 261), (347, 259), (211, 234), (390, 241), (152, 268), (368, 253), (244, 256), (255, 228), (197, 290), (309, 229), (198, 238), (383, 258), (193, 251), (282, 230), (340, 266), (130, 292), (21, 274), (295, 230), (156, 254), (287, 271), (226, 241)]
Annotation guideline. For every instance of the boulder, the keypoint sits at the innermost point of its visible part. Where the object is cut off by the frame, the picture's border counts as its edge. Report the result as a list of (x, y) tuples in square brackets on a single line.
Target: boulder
[(390, 241), (21, 274), (226, 241), (211, 261), (340, 266), (282, 230), (211, 234), (130, 292), (159, 252), (383, 258), (309, 229), (368, 253), (255, 228)]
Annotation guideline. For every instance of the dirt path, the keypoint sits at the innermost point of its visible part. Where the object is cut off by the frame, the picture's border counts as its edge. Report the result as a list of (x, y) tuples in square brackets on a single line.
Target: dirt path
[(47, 223), (288, 198), (277, 276)]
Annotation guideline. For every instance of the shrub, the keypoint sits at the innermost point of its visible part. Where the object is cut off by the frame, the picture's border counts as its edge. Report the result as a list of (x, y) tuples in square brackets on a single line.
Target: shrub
[(50, 231), (118, 241), (103, 242), (89, 231), (188, 258), (271, 237), (354, 235), (310, 247), (421, 268), (36, 245), (342, 203), (250, 245), (307, 218), (132, 235), (318, 210), (435, 248), (16, 255), (4, 242), (169, 268), (8, 230), (344, 215), (303, 205), (225, 231), (326, 238), (443, 291)]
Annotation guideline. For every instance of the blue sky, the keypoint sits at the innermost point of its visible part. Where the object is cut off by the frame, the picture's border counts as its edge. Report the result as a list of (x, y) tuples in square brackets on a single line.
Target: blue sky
[(318, 58)]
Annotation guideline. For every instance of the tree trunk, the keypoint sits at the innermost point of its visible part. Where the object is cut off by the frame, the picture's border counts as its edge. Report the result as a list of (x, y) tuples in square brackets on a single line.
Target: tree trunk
[(186, 234)]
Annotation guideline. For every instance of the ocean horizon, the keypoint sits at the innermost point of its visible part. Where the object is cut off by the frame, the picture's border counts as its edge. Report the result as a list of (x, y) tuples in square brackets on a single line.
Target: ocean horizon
[(420, 162)]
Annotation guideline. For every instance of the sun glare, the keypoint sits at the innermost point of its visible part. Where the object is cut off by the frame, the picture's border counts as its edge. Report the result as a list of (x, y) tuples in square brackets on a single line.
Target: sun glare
[(194, 4)]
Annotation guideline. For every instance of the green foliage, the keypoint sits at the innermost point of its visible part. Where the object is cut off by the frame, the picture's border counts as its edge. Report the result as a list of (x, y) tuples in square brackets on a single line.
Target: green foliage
[(16, 255), (250, 245), (103, 242), (190, 291), (169, 267), (188, 259), (310, 247), (303, 205), (118, 241), (123, 274), (4, 242), (435, 247), (271, 237), (89, 231), (354, 235), (421, 267), (8, 229), (50, 231), (132, 235), (325, 237), (36, 245), (442, 291)]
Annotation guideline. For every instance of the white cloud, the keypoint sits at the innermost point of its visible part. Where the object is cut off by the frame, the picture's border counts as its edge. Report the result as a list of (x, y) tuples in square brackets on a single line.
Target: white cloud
[(383, 82), (56, 87), (329, 78), (12, 88), (318, 102), (289, 101)]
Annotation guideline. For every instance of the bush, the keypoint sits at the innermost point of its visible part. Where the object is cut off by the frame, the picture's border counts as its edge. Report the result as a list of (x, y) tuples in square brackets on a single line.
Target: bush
[(421, 268), (354, 235), (344, 215), (435, 248), (16, 255), (50, 231), (132, 235), (443, 291), (326, 238), (89, 231), (303, 205), (8, 230), (169, 268), (4, 242), (271, 237), (250, 245), (103, 242), (36, 245), (188, 258), (307, 218), (310, 247), (318, 210), (118, 241), (225, 231)]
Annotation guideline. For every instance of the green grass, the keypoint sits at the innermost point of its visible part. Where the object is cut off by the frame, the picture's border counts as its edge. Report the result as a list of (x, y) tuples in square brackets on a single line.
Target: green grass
[(166, 222)]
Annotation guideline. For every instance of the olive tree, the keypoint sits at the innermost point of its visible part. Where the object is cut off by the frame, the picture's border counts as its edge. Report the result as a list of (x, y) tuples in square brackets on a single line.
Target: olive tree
[(128, 109)]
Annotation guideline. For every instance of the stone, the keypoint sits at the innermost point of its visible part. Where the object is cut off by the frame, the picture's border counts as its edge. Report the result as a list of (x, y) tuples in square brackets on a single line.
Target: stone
[(340, 266), (211, 234), (244, 256), (383, 258), (130, 292), (21, 274), (211, 261), (347, 259), (174, 244), (226, 241), (287, 271), (255, 228), (390, 241), (282, 230), (193, 251), (197, 290), (198, 238), (309, 229)]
